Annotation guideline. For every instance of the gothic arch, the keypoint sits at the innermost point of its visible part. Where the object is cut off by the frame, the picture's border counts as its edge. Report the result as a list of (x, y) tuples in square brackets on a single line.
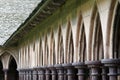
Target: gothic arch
[(60, 46), (97, 42), (80, 41), (82, 45), (110, 23), (52, 48), (93, 17), (41, 54), (12, 73), (69, 44), (96, 37), (46, 51), (11, 53), (116, 34)]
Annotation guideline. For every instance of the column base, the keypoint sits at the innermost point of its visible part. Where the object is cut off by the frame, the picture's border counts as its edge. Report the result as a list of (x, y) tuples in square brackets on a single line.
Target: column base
[(70, 71), (35, 73), (94, 69), (53, 72), (41, 73), (60, 70), (81, 70), (112, 64)]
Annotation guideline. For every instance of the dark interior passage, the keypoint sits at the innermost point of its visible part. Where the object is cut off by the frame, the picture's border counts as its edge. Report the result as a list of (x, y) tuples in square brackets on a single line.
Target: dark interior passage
[(1, 71), (12, 72), (116, 34)]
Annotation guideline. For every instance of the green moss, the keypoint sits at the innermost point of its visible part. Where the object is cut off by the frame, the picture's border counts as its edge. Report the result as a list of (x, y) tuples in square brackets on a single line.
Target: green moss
[(61, 16)]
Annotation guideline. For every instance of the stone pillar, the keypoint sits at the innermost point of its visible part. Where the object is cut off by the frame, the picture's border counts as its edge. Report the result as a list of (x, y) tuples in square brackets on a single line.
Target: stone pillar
[(70, 71), (104, 73), (35, 74), (47, 73), (30, 74), (24, 74), (53, 72), (95, 69), (112, 64), (5, 73), (20, 75), (27, 74), (119, 72), (81, 70), (65, 74), (41, 73), (60, 70)]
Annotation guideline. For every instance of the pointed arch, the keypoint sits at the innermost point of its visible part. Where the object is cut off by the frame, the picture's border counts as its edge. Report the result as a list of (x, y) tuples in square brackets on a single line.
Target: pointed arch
[(110, 23), (97, 43), (46, 51), (69, 44), (116, 34), (96, 37), (52, 48), (93, 17), (54, 55), (80, 41), (82, 45), (12, 73), (40, 53), (60, 47)]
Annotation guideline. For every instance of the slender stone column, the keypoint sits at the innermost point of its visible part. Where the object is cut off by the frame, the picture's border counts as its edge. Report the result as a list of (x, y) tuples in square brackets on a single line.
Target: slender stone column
[(65, 74), (53, 72), (24, 74), (27, 74), (20, 75), (30, 74), (104, 73), (47, 73), (112, 64), (41, 73), (81, 70), (5, 73), (60, 70), (70, 71), (35, 74), (95, 69)]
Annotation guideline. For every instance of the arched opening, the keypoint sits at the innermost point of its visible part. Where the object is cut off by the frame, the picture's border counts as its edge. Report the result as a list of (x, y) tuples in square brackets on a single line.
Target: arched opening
[(54, 57), (97, 42), (71, 49), (60, 46), (52, 49), (1, 71), (12, 70), (69, 44), (116, 34), (82, 45)]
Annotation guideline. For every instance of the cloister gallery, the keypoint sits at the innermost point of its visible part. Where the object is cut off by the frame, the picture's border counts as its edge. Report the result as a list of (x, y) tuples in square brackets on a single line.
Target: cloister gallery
[(65, 40)]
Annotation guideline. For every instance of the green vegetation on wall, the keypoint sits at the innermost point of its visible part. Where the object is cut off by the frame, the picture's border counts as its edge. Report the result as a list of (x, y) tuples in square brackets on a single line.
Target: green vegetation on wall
[(61, 16)]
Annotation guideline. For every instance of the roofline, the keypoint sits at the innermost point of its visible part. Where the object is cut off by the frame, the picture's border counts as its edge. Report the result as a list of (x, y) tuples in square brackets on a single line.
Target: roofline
[(41, 12)]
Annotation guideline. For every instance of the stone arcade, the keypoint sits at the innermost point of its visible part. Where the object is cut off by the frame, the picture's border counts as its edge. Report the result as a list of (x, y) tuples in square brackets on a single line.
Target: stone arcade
[(65, 40)]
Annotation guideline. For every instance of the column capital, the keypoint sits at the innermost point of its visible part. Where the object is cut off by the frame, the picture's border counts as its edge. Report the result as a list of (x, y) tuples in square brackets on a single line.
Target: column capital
[(111, 62), (93, 63), (58, 66), (79, 65), (94, 69)]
